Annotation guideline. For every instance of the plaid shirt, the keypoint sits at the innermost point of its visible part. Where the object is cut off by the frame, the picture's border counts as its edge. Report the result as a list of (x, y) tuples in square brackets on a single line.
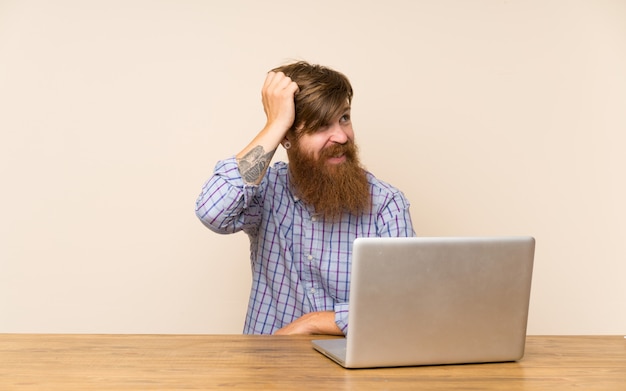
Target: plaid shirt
[(300, 263)]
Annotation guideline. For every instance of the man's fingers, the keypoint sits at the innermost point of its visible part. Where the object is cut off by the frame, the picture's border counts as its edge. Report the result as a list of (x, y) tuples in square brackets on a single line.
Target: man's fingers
[(278, 82)]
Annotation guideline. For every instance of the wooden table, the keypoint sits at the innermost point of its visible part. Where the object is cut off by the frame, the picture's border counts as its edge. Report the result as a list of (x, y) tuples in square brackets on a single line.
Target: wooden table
[(201, 362)]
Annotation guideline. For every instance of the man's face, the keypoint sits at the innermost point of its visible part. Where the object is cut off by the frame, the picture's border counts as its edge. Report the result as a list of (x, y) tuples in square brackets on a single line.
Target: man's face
[(326, 171), (326, 142)]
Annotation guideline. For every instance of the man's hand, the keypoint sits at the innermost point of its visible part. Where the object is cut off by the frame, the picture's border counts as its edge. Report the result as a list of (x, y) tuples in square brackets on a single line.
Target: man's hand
[(278, 95), (322, 322)]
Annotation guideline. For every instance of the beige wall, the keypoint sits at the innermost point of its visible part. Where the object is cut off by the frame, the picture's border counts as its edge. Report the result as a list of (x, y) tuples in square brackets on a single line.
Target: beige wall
[(494, 117)]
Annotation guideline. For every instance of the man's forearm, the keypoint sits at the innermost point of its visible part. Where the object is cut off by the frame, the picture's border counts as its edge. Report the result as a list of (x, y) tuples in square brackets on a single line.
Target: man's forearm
[(322, 322), (253, 164)]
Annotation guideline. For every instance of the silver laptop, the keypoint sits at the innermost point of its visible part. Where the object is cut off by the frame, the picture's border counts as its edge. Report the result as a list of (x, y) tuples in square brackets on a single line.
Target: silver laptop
[(434, 301)]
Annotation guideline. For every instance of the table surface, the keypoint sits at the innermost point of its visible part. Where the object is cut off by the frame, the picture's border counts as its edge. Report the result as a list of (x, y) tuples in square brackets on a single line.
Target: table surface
[(198, 362)]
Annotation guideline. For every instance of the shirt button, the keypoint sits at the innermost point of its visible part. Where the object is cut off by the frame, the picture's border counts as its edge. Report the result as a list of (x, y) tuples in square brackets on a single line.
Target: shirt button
[(312, 291), (313, 218), (309, 257)]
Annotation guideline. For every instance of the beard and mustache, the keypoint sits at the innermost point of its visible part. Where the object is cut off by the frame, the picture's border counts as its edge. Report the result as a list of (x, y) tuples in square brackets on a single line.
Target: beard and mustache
[(332, 189)]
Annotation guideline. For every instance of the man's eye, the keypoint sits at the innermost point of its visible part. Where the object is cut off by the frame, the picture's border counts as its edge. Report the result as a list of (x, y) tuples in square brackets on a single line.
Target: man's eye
[(345, 118)]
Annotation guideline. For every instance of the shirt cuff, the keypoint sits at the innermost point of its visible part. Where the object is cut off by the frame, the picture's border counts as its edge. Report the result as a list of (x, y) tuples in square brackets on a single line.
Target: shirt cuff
[(341, 317), (228, 169)]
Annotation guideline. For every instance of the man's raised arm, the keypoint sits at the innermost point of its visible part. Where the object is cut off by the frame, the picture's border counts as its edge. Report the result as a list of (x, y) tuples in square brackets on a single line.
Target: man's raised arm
[(278, 103)]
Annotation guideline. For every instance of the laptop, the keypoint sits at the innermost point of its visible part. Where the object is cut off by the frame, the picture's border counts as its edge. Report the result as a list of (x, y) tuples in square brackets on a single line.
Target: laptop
[(435, 301)]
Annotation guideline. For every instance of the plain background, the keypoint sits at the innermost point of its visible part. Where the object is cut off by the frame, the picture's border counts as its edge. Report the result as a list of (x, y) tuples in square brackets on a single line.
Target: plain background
[(493, 117)]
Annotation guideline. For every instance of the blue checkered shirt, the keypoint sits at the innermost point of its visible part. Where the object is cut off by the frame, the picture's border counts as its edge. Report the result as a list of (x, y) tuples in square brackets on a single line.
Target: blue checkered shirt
[(300, 263)]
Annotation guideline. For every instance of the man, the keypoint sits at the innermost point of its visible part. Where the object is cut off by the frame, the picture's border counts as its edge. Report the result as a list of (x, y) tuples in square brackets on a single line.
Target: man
[(302, 217)]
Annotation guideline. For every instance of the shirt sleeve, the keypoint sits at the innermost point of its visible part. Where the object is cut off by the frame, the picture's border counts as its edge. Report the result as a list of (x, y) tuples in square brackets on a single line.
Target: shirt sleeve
[(341, 317), (226, 204), (395, 218)]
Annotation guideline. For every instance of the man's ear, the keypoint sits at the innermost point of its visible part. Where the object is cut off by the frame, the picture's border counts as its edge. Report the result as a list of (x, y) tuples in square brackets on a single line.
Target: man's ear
[(286, 143)]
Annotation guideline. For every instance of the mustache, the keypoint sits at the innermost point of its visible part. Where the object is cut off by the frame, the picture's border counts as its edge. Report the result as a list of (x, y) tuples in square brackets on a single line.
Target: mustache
[(348, 149)]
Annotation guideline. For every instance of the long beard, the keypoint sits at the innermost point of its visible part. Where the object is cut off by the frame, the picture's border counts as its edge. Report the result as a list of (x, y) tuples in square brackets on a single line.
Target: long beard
[(332, 189)]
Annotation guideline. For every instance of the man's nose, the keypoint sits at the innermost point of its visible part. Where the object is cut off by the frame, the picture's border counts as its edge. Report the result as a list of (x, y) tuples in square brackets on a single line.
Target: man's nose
[(338, 134)]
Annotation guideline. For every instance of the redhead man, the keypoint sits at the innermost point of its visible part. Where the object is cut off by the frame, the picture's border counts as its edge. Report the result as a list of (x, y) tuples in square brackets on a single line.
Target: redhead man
[(301, 217)]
